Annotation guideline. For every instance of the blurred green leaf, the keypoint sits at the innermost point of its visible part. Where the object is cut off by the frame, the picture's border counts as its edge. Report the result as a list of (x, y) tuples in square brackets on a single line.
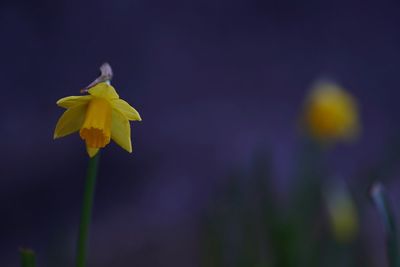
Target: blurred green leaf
[(27, 257), (380, 199)]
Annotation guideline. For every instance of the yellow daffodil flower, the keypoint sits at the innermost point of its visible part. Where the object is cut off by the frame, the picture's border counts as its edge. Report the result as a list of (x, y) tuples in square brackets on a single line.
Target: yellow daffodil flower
[(331, 113), (99, 117), (344, 220), (342, 212)]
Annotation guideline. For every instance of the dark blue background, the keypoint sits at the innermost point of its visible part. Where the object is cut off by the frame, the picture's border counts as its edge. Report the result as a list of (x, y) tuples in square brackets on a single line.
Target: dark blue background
[(213, 81)]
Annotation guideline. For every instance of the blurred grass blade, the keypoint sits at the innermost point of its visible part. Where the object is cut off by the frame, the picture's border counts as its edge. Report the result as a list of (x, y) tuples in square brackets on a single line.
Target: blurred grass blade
[(27, 258), (380, 200)]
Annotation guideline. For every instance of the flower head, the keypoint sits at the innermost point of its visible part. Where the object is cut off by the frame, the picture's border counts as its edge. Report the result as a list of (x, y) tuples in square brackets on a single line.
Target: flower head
[(331, 113), (342, 212), (99, 117)]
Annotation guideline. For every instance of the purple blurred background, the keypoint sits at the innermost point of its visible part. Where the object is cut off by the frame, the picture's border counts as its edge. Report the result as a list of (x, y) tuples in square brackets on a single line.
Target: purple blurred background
[(213, 80)]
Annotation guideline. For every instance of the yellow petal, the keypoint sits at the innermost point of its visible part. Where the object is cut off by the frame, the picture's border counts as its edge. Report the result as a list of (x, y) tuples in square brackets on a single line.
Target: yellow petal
[(72, 101), (129, 112), (121, 130), (103, 90), (70, 122), (92, 151), (96, 129)]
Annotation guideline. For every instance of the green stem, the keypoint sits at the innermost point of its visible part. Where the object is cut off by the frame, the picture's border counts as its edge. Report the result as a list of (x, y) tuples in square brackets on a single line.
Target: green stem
[(27, 258), (87, 211), (380, 199)]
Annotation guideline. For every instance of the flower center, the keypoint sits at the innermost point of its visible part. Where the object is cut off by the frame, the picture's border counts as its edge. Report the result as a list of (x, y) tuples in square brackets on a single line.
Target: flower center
[(96, 129)]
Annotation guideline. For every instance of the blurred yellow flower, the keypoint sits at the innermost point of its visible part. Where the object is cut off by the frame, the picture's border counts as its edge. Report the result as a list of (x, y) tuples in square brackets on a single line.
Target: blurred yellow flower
[(331, 113), (99, 117), (342, 213)]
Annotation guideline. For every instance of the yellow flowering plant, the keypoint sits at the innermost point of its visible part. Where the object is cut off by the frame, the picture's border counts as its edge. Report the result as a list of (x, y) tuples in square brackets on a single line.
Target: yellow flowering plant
[(99, 117)]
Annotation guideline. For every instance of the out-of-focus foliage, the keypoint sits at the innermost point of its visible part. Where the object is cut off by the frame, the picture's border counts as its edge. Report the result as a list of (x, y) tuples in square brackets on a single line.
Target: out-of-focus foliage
[(317, 223), (250, 226)]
